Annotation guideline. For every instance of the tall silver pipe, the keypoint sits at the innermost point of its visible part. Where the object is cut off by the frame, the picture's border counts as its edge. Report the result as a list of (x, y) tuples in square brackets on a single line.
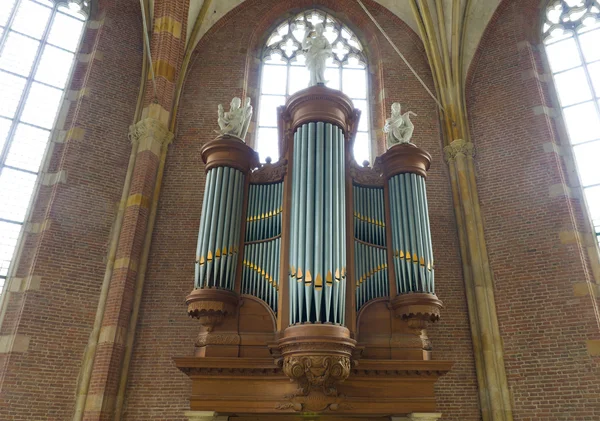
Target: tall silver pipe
[(200, 254)]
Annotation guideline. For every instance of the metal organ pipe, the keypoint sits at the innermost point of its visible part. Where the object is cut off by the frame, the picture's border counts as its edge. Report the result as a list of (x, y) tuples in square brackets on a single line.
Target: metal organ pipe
[(317, 251), (369, 244), (411, 234), (220, 220), (260, 275)]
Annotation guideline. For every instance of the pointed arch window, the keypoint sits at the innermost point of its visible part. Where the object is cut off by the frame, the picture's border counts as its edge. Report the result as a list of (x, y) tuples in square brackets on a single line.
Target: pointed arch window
[(571, 35), (38, 43), (284, 73)]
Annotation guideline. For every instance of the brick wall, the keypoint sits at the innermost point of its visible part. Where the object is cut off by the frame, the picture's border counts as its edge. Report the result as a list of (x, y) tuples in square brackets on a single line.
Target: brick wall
[(536, 265), (70, 253), (226, 64)]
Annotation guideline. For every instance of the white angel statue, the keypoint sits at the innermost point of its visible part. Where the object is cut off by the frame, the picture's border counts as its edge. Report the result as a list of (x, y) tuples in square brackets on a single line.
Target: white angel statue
[(318, 50), (237, 120), (398, 127)]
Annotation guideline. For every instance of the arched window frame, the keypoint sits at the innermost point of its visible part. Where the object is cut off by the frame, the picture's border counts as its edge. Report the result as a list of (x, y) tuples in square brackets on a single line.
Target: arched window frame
[(39, 42), (350, 56), (571, 39)]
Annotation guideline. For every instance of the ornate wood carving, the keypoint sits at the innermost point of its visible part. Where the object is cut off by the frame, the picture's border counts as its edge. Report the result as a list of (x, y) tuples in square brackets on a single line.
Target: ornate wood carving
[(211, 306), (317, 357), (418, 309), (366, 176), (269, 173)]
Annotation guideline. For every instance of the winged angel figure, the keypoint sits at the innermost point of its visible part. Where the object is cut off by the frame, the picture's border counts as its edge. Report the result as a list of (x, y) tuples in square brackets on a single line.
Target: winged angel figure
[(237, 120), (398, 127)]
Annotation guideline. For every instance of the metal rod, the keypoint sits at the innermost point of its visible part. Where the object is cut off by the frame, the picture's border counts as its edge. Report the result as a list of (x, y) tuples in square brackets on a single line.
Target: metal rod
[(310, 221), (302, 221), (236, 239), (231, 196), (212, 228), (318, 212), (293, 231), (416, 210), (328, 168), (403, 58), (396, 243), (336, 225), (342, 189), (219, 229), (202, 236), (147, 45)]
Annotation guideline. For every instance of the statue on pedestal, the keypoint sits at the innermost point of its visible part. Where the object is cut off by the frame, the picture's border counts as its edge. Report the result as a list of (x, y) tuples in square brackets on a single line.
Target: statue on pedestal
[(318, 50), (237, 120), (398, 127)]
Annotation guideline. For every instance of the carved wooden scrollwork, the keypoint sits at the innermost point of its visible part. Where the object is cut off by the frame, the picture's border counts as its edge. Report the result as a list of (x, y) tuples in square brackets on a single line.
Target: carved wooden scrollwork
[(317, 372), (367, 176), (269, 173)]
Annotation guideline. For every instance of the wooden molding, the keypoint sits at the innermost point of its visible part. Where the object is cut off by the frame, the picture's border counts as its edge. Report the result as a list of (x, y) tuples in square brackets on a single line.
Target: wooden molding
[(229, 151), (404, 158)]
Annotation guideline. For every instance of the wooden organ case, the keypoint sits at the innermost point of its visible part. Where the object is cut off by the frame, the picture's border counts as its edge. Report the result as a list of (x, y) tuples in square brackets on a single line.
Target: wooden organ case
[(314, 276)]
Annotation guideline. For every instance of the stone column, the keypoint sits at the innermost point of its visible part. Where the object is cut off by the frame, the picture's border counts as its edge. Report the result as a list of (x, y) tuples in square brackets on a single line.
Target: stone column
[(487, 343), (150, 138)]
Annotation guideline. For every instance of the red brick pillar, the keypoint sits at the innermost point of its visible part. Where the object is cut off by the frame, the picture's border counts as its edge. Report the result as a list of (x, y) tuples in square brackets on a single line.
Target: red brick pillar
[(150, 137)]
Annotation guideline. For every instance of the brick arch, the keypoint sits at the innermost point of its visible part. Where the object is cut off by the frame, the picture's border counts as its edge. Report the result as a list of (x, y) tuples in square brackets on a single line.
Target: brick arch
[(347, 12), (519, 157), (532, 18)]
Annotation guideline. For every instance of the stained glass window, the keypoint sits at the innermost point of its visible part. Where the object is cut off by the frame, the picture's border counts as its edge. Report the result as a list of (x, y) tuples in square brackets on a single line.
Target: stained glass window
[(572, 39), (38, 43), (284, 73)]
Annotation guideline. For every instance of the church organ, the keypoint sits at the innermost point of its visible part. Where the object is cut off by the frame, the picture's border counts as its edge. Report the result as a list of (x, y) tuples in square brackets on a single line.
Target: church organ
[(315, 270)]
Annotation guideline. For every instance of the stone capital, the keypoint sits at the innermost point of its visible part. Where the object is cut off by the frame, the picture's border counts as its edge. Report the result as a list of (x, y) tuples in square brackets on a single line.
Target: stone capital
[(458, 147), (150, 134)]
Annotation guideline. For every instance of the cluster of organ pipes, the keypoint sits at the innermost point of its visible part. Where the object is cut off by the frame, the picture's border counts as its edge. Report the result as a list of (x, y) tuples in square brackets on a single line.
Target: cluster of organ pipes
[(262, 250), (294, 214), (264, 211), (262, 279), (370, 257), (369, 214), (317, 275), (220, 224), (411, 236), (370, 267)]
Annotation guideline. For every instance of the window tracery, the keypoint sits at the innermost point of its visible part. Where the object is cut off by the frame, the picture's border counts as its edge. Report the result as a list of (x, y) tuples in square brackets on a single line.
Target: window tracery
[(38, 43), (284, 73), (571, 35)]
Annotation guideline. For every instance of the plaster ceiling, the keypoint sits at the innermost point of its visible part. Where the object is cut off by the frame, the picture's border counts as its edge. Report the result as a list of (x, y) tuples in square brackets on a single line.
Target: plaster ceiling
[(477, 18)]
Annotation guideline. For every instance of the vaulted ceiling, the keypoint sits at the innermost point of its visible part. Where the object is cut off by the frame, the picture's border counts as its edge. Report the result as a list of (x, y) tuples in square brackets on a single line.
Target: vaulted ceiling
[(477, 14)]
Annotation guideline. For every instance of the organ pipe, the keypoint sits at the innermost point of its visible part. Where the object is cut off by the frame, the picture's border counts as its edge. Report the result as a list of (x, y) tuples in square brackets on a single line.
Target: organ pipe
[(261, 264), (411, 236), (317, 252), (388, 225), (369, 244), (220, 220)]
